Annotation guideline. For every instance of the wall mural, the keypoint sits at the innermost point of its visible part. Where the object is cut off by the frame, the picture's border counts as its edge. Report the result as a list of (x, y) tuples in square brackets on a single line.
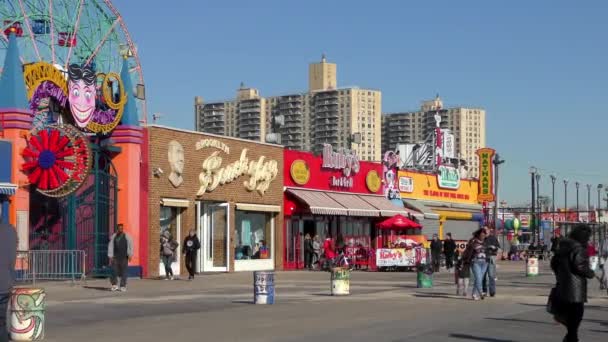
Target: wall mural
[(27, 319), (67, 107)]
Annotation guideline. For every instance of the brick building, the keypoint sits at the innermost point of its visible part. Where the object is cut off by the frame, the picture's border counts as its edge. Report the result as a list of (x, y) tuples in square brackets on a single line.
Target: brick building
[(229, 190)]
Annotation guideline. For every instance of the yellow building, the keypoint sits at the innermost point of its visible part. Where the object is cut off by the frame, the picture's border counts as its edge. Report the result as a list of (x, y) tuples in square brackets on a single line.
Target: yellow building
[(324, 114), (449, 204)]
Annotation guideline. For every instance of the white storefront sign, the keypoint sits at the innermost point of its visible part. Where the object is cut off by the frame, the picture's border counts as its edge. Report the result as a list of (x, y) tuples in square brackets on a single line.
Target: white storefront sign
[(448, 177), (406, 184)]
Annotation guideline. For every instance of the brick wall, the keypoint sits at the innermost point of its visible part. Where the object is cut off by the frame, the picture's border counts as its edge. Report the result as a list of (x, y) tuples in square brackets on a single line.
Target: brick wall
[(232, 192)]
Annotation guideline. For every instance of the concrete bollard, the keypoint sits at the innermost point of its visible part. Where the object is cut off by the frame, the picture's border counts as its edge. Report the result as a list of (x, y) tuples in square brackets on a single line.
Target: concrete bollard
[(340, 281), (532, 267), (263, 287), (27, 314)]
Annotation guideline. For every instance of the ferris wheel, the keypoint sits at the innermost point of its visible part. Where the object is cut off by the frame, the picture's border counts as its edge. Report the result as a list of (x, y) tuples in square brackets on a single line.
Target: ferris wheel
[(64, 32)]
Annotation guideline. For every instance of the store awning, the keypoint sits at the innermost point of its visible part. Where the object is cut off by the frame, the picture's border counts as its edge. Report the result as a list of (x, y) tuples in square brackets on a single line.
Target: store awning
[(354, 204), (173, 202), (421, 207), (318, 202), (8, 189), (258, 207), (387, 208)]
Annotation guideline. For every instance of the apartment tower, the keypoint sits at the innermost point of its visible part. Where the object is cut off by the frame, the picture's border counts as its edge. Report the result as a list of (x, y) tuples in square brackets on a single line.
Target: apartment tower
[(343, 117)]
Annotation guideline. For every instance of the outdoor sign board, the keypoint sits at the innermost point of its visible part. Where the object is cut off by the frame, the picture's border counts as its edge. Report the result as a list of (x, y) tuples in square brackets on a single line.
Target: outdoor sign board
[(448, 177), (486, 175)]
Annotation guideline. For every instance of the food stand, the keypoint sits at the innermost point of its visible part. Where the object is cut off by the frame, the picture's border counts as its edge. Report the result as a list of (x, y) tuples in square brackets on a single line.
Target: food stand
[(399, 244)]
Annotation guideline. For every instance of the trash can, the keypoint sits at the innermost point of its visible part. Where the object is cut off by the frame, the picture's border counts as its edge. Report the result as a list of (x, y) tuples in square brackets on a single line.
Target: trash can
[(263, 287), (340, 281), (27, 307), (424, 277), (532, 267)]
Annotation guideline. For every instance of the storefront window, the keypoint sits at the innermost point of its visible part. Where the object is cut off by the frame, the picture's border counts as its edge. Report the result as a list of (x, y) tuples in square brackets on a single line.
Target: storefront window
[(168, 220), (253, 235)]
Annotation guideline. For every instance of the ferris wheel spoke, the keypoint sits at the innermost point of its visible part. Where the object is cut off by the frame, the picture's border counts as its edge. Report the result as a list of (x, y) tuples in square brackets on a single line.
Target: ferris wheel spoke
[(74, 34), (52, 22), (26, 20), (103, 40)]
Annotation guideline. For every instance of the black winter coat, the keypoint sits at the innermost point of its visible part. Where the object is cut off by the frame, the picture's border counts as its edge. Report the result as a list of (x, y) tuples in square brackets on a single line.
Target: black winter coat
[(571, 267)]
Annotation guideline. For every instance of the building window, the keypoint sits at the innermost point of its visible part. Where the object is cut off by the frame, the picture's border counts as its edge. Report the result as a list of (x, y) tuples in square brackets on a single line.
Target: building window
[(253, 235)]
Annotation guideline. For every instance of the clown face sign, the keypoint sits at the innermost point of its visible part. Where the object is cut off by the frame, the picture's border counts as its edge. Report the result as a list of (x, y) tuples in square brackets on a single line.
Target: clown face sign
[(82, 93)]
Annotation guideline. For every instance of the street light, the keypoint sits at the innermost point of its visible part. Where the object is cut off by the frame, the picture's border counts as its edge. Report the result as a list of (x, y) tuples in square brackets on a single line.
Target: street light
[(538, 205), (497, 161), (553, 179), (599, 203), (577, 184), (533, 172), (566, 200)]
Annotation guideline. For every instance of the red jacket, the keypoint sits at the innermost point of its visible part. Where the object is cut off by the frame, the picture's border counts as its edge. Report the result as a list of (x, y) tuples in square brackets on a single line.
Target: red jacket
[(328, 247)]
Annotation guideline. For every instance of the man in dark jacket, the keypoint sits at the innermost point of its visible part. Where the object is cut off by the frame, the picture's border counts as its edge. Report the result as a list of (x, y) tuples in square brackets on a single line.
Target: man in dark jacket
[(492, 246), (120, 251), (8, 256), (191, 245), (571, 267), (449, 247), (436, 253)]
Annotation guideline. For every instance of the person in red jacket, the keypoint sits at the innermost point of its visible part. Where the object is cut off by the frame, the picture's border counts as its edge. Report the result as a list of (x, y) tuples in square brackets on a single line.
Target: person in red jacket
[(328, 248)]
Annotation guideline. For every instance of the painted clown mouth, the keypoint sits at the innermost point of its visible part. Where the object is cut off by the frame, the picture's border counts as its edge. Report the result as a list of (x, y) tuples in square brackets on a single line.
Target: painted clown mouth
[(81, 116)]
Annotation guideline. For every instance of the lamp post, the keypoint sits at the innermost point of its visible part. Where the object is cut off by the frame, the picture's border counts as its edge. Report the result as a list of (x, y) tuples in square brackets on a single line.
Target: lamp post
[(589, 198), (533, 171), (565, 200), (540, 209), (599, 202), (578, 218), (553, 179), (497, 161)]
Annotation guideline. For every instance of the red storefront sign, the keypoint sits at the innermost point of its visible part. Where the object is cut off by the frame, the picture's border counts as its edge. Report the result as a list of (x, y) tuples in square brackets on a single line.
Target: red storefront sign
[(329, 178)]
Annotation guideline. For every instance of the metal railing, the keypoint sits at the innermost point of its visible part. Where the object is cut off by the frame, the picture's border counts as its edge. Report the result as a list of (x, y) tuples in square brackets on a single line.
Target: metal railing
[(36, 265)]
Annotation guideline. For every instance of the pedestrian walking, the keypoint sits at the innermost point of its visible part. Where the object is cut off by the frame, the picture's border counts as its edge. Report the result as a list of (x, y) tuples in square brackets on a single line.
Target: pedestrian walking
[(316, 247), (571, 268), (120, 251), (8, 257), (604, 266), (489, 280), (436, 247), (191, 246), (308, 251), (475, 255), (449, 247), (168, 247)]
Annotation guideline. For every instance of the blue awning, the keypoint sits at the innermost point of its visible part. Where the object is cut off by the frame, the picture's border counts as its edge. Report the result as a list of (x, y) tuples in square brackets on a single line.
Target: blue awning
[(7, 189)]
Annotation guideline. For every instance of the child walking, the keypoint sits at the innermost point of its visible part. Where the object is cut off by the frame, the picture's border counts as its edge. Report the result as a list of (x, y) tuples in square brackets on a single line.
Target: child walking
[(462, 275)]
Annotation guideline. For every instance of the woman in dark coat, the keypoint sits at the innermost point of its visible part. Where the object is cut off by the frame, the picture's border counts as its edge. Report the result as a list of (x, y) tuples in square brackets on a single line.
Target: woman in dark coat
[(571, 267)]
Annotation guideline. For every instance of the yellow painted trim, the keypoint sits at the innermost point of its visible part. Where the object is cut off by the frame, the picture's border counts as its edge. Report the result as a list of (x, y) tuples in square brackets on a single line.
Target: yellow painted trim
[(454, 215)]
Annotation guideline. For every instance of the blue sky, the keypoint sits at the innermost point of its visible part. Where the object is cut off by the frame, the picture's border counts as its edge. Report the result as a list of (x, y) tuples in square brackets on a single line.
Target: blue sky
[(539, 68)]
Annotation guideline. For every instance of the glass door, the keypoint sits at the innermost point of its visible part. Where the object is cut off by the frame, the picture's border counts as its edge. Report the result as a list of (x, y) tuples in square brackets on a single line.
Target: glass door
[(213, 228)]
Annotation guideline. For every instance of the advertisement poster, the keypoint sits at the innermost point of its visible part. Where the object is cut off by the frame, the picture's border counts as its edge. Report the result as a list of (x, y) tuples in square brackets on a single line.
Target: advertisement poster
[(401, 257)]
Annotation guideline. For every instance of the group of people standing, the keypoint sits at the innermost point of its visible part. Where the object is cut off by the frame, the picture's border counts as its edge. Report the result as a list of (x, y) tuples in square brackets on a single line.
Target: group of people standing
[(314, 250)]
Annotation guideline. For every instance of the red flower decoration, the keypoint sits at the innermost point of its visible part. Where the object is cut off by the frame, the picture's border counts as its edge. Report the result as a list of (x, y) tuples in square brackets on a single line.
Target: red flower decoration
[(50, 159)]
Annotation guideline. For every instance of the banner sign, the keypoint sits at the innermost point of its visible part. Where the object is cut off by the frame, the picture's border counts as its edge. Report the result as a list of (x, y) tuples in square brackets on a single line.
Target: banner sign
[(486, 175), (386, 257)]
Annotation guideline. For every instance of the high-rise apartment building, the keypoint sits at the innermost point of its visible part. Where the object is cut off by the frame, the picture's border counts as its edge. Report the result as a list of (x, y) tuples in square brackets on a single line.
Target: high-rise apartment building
[(324, 114), (467, 124)]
